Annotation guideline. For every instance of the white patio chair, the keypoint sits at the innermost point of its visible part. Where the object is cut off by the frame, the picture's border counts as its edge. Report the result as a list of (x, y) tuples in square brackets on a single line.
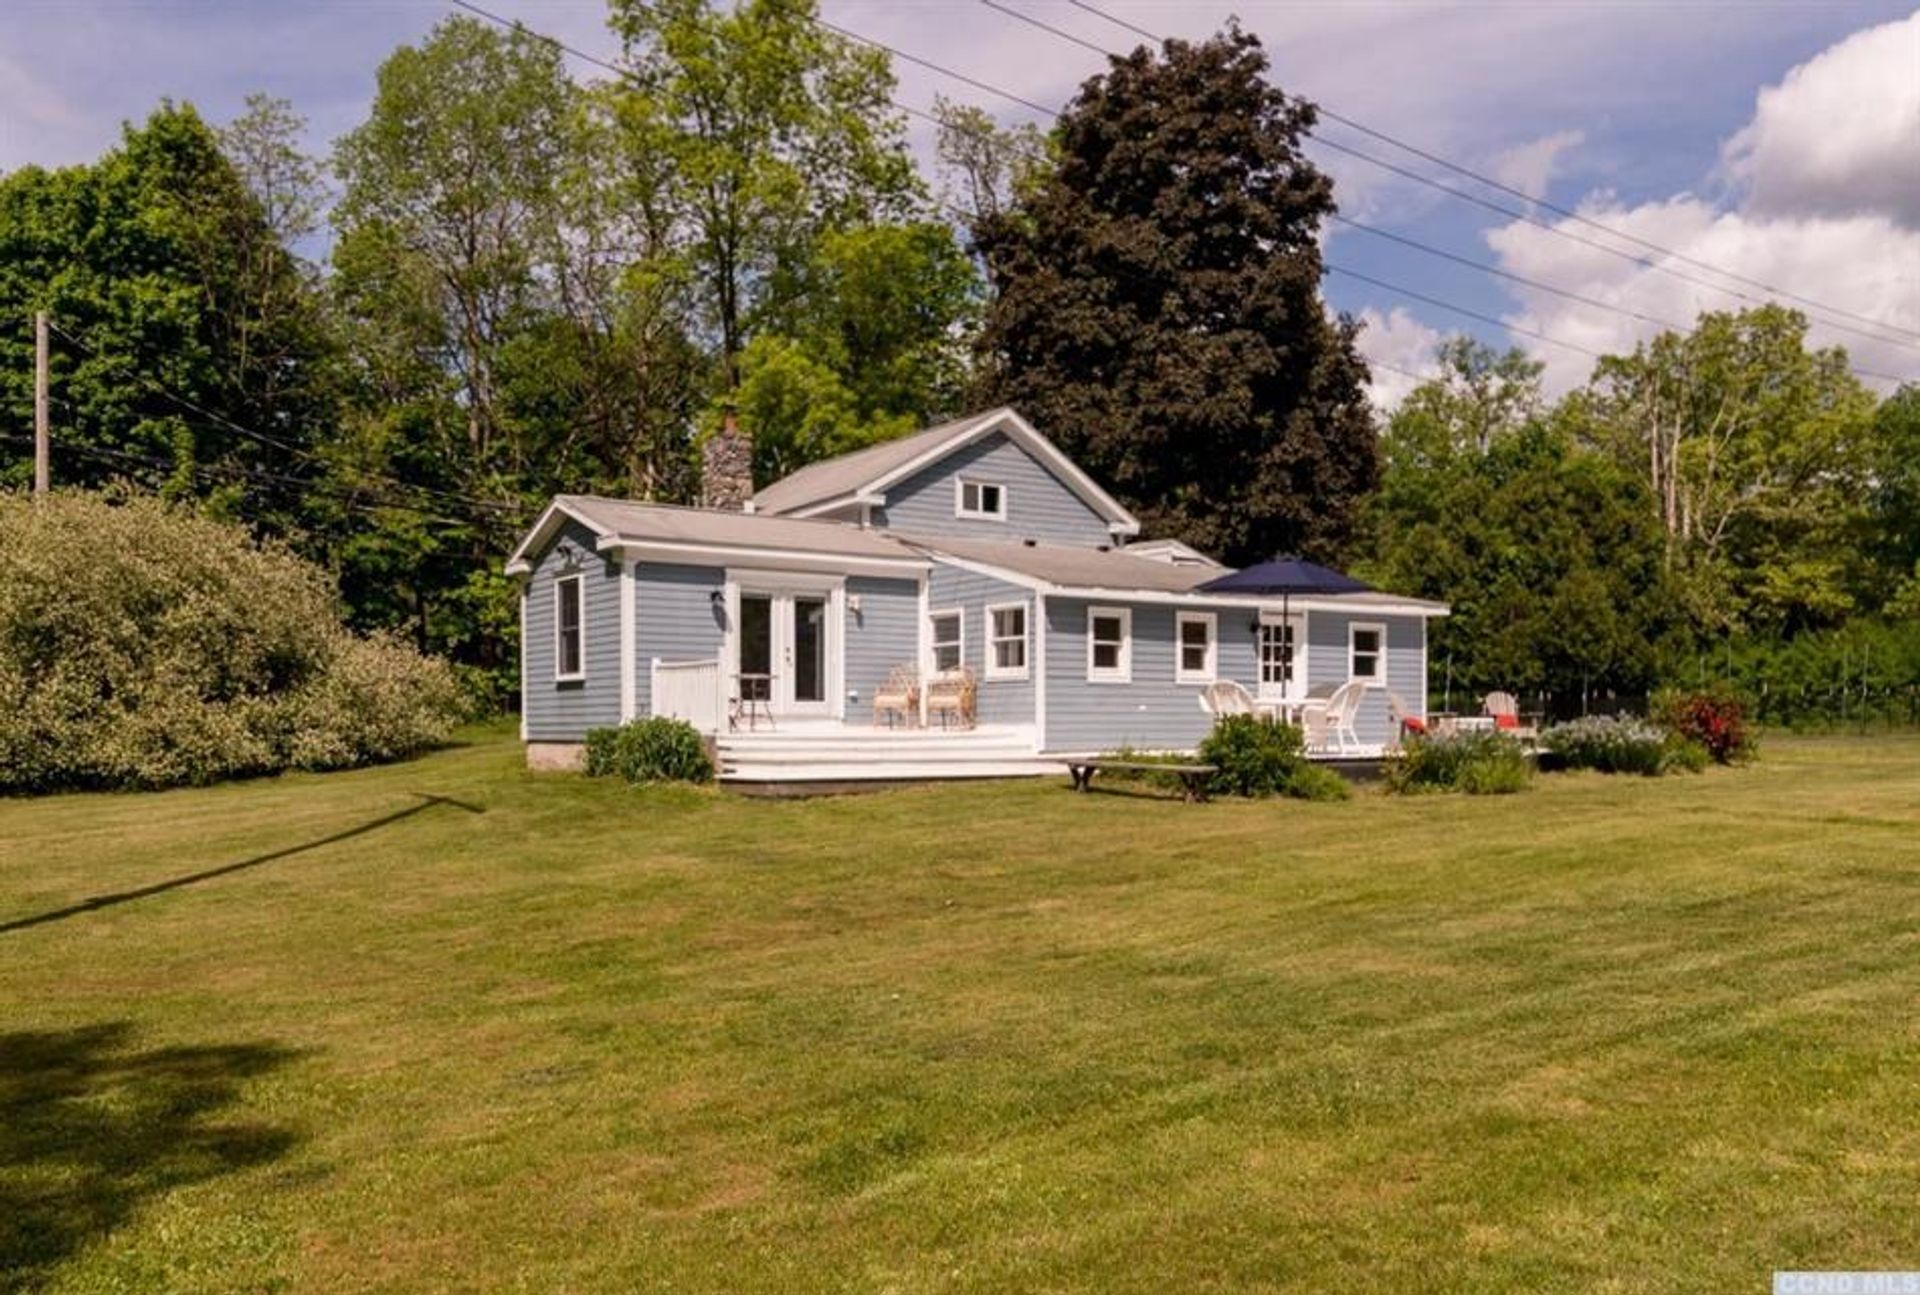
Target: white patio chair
[(1337, 718), (1226, 698)]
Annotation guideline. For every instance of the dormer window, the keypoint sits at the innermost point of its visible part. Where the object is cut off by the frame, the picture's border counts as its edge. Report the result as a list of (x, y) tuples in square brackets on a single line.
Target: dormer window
[(981, 500)]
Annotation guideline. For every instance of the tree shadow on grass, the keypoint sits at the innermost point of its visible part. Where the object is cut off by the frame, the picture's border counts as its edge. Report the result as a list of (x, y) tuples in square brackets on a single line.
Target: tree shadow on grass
[(208, 874), (90, 1128)]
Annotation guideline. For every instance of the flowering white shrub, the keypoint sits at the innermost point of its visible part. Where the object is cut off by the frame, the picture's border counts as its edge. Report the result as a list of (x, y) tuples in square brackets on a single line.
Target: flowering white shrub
[(143, 645)]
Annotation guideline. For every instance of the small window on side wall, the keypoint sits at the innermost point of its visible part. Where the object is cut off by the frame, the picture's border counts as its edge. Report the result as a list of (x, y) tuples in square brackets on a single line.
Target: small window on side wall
[(1367, 653), (1109, 645), (1195, 662), (948, 648), (569, 629), (984, 500)]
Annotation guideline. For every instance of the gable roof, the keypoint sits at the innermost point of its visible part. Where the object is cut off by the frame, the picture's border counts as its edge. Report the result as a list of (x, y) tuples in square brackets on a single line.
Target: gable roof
[(623, 521), (863, 476)]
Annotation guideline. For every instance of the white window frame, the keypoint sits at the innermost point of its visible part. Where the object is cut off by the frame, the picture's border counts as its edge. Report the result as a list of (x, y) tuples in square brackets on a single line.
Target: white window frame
[(960, 509), (959, 616), (579, 581), (1209, 672), (994, 670), (1354, 629), (1122, 672)]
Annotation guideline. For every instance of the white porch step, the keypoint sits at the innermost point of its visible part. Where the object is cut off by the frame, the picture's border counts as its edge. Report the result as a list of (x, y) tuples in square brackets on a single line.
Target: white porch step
[(887, 770)]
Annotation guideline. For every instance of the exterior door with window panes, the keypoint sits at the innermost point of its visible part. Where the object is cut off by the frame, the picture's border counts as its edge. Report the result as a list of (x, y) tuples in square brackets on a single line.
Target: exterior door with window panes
[(782, 651), (1282, 657)]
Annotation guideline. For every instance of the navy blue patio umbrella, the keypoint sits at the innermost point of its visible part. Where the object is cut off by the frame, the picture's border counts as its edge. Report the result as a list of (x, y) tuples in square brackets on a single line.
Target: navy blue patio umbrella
[(1286, 576)]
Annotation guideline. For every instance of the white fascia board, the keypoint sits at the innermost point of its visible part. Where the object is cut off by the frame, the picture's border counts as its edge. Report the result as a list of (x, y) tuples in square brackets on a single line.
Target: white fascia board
[(770, 559), (542, 530), (1120, 521), (832, 505)]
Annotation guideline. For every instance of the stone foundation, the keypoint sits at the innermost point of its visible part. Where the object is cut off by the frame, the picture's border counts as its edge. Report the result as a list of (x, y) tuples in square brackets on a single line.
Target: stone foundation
[(557, 757)]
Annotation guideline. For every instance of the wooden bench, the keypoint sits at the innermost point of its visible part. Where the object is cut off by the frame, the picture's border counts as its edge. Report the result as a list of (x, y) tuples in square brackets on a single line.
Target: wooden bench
[(1193, 777)]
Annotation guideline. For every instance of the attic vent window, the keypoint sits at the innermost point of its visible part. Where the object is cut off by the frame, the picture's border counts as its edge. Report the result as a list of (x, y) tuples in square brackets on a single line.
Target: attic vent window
[(983, 500)]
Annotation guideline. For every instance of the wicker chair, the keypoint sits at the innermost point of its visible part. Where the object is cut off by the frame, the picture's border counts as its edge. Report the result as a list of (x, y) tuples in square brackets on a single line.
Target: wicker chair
[(898, 698), (1226, 698), (950, 695)]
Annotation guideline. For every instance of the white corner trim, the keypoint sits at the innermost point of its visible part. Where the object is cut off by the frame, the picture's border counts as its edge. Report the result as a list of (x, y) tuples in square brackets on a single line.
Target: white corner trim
[(924, 642), (523, 663), (992, 671), (1123, 672), (1039, 650), (629, 601), (1211, 672)]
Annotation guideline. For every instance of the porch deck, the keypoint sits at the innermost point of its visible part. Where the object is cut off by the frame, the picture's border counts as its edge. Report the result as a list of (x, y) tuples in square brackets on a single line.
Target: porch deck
[(829, 751)]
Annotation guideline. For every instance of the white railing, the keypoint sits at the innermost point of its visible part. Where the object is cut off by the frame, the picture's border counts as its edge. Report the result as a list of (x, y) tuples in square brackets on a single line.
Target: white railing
[(689, 690)]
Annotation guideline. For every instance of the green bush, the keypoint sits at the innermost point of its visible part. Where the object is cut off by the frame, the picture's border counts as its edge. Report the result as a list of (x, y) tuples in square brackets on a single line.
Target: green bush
[(1480, 764), (142, 645), (1256, 757), (1316, 782), (649, 750)]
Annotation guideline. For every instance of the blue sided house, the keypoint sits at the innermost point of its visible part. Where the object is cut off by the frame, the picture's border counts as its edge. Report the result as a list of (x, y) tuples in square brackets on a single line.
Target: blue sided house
[(964, 601)]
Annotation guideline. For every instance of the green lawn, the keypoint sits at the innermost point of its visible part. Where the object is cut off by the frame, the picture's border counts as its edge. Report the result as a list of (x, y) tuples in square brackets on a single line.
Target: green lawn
[(545, 1034)]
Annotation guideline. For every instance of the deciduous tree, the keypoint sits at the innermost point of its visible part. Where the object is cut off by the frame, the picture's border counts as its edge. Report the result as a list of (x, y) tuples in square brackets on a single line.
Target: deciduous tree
[(1159, 311)]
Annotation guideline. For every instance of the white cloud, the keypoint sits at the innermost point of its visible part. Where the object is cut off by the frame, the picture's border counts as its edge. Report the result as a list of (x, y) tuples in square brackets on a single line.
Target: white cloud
[(1400, 350), (1815, 217), (1529, 168), (1841, 133)]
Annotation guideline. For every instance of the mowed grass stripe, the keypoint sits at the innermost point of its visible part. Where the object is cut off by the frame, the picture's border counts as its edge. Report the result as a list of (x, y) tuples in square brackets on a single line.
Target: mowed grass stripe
[(1610, 1035)]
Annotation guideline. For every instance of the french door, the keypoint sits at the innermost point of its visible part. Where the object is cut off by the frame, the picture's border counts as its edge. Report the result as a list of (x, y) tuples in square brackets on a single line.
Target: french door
[(1283, 657), (784, 647)]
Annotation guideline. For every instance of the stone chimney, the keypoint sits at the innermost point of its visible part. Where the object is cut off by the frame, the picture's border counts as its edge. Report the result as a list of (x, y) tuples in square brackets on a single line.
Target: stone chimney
[(726, 468)]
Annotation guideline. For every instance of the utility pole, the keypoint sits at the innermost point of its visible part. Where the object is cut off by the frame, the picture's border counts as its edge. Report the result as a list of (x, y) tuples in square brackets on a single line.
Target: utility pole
[(42, 434)]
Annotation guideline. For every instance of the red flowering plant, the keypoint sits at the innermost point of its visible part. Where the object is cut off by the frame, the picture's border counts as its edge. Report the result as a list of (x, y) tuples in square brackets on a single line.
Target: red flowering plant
[(1714, 718)]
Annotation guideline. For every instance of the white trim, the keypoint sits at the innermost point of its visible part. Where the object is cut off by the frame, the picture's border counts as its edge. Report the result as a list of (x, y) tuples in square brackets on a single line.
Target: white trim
[(1379, 656), (523, 662), (1122, 672), (924, 643), (629, 595), (1024, 670), (578, 580), (1017, 429), (960, 510), (832, 505), (1039, 650), (785, 560), (960, 615), (1211, 671), (541, 531)]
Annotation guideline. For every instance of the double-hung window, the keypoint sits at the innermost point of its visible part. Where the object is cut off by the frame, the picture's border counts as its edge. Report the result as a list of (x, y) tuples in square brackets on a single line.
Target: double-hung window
[(1367, 653), (1007, 641), (1195, 655), (1109, 645), (569, 629), (981, 500), (947, 636)]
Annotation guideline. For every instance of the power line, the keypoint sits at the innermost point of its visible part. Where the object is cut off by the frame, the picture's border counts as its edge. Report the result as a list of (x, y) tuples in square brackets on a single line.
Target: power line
[(1463, 310), (1594, 302), (224, 474), (1512, 191), (272, 442)]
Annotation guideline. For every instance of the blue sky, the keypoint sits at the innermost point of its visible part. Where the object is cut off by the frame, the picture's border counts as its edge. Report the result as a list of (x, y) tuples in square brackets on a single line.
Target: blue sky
[(1641, 113)]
